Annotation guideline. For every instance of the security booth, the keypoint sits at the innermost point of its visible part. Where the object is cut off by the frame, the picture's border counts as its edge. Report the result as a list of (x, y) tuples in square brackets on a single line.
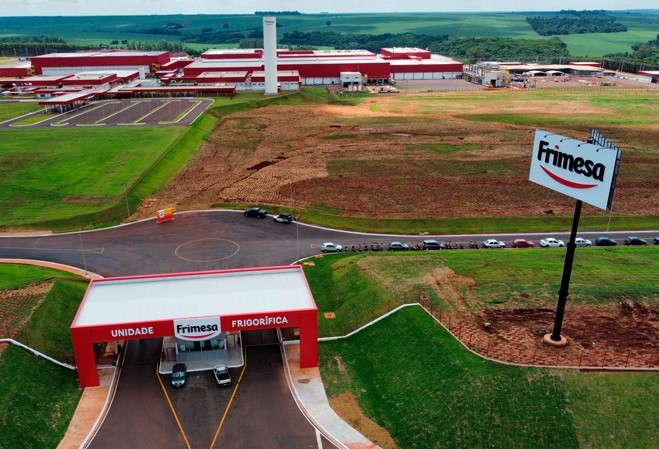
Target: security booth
[(199, 309)]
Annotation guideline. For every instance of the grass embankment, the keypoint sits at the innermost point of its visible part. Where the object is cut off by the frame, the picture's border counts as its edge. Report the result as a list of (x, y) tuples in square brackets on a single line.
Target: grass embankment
[(94, 176), (37, 397), (10, 110), (359, 287), (411, 377)]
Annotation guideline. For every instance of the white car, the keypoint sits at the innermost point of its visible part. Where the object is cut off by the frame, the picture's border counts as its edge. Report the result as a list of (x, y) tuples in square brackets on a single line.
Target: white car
[(222, 376), (582, 242), (493, 243), (551, 242), (329, 247)]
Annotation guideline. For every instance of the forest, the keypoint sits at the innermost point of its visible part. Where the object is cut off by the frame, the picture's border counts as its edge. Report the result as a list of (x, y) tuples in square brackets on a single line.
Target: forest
[(575, 22)]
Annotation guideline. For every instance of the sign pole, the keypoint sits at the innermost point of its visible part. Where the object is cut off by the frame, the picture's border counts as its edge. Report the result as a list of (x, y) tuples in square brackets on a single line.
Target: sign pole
[(555, 337)]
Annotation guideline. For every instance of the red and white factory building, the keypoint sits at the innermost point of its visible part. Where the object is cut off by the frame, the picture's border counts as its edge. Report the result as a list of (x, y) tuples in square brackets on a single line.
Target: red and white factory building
[(218, 71)]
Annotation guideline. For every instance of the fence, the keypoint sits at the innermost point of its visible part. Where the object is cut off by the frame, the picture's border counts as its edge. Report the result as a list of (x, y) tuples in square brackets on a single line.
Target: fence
[(529, 349)]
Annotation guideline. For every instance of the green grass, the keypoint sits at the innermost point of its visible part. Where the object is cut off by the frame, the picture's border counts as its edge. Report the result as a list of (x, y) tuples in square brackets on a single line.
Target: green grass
[(48, 329), (614, 410), (31, 120), (37, 400), (58, 174), (360, 287), (411, 377), (9, 110), (37, 397), (472, 225), (14, 276), (642, 27)]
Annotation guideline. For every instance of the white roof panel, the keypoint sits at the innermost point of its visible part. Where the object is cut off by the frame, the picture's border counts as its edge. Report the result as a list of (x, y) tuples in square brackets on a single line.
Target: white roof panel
[(168, 297)]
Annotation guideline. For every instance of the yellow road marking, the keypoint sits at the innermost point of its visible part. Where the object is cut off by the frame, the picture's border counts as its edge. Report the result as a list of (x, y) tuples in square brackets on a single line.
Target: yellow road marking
[(171, 406), (226, 412)]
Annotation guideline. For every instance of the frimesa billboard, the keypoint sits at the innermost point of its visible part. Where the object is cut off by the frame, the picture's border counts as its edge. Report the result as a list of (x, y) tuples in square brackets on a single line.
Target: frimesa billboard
[(574, 168), (196, 329)]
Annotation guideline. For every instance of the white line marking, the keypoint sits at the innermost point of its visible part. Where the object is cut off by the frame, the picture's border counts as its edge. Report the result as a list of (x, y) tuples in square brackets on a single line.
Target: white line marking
[(319, 439)]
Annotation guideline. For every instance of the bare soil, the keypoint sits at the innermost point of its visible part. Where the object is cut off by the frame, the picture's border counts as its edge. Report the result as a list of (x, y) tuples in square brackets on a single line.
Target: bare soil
[(346, 406), (346, 157), (13, 303)]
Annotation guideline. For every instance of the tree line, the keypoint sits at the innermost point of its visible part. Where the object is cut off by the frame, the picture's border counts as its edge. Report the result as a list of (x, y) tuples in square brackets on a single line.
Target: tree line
[(575, 22)]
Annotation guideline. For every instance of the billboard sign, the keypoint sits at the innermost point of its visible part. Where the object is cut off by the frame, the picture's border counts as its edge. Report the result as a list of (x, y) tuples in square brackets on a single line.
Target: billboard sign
[(196, 329), (581, 170)]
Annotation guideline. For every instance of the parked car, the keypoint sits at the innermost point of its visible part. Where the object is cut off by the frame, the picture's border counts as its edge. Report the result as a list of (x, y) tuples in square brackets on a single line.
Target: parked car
[(523, 243), (283, 218), (222, 375), (656, 241), (179, 375), (398, 246), (605, 241), (582, 242), (551, 242), (256, 212), (493, 243), (432, 245), (633, 240), (329, 247)]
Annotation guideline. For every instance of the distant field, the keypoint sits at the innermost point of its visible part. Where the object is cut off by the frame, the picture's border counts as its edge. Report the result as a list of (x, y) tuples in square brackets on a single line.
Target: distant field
[(642, 26)]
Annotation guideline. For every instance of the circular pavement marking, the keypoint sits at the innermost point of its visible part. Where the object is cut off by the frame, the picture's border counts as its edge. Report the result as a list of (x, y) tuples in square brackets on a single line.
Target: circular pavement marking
[(207, 250)]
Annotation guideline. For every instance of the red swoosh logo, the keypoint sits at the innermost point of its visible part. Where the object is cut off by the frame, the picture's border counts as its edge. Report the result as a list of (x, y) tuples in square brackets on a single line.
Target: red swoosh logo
[(198, 337), (566, 182)]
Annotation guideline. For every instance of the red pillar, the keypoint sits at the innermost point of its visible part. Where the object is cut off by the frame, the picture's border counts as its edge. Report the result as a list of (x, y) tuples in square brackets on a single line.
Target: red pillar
[(309, 339), (83, 348)]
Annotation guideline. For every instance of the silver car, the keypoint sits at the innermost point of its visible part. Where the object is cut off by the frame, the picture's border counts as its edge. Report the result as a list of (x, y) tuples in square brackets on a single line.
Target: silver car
[(582, 242), (329, 247), (493, 243), (222, 376)]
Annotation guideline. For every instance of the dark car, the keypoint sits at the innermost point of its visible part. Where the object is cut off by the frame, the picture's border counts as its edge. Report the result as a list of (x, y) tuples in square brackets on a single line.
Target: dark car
[(179, 373), (605, 241), (523, 243), (656, 241), (256, 212), (432, 245), (633, 240), (283, 218), (398, 246)]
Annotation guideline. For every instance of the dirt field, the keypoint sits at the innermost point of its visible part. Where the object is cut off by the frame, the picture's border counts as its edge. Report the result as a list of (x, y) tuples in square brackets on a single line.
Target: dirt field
[(14, 302), (419, 148)]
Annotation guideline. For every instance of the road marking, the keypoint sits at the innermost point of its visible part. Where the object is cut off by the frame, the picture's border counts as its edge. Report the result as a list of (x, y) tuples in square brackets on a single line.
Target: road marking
[(104, 119), (89, 250), (226, 412), (171, 406), (176, 251), (319, 440)]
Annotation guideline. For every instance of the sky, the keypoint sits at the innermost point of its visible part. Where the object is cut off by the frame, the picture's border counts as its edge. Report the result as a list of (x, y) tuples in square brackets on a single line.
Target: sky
[(148, 7)]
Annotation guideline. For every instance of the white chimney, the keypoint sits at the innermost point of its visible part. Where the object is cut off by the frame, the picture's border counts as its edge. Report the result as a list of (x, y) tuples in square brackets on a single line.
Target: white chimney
[(270, 54)]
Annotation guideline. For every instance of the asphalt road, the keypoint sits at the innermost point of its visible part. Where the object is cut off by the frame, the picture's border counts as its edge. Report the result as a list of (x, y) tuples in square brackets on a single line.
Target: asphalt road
[(214, 240), (260, 412)]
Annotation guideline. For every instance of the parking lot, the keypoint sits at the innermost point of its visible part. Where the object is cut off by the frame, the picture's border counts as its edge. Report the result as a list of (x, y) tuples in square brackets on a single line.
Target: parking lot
[(128, 112)]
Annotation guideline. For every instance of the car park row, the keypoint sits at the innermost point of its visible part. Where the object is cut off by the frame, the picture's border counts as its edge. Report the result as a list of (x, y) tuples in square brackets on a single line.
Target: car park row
[(431, 244)]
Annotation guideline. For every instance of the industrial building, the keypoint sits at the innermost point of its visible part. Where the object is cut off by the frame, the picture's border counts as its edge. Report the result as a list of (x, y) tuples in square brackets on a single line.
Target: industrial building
[(217, 72)]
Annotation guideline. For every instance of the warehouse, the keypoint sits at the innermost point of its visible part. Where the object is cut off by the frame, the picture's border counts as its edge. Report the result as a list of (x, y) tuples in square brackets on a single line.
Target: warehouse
[(72, 63)]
